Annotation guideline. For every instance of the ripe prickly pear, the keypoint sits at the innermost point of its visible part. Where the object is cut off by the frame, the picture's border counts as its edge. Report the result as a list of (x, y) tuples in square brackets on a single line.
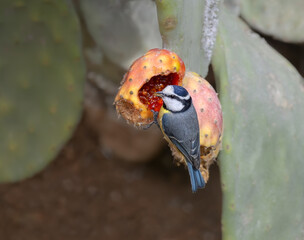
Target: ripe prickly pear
[(209, 113), (147, 75)]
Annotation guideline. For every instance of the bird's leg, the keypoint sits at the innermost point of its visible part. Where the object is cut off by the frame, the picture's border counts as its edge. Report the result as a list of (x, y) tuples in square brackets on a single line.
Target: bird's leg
[(155, 116)]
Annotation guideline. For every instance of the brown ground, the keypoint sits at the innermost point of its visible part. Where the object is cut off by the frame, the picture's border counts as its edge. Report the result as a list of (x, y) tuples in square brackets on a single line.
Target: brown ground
[(84, 195)]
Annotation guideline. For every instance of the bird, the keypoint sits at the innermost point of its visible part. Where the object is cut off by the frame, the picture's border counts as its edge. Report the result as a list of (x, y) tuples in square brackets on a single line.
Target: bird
[(178, 121)]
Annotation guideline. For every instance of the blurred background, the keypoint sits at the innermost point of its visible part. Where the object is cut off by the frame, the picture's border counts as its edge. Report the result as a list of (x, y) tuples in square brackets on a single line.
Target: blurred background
[(102, 179)]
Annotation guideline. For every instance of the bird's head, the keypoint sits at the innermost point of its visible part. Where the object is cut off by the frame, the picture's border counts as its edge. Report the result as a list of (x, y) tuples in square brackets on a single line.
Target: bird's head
[(176, 98)]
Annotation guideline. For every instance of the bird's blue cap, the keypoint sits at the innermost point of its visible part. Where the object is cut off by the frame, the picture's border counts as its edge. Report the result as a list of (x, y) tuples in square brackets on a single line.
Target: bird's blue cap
[(180, 91)]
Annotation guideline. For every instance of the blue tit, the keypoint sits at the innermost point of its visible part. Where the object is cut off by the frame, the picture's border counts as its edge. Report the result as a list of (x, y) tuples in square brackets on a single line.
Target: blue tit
[(178, 121)]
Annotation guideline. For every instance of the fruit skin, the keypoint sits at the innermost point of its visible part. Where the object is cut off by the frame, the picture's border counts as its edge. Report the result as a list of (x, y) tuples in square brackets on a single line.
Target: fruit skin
[(154, 62), (41, 78), (209, 113)]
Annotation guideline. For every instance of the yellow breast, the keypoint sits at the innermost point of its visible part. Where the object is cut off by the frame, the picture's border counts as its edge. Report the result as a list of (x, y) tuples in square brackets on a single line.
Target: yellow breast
[(161, 113)]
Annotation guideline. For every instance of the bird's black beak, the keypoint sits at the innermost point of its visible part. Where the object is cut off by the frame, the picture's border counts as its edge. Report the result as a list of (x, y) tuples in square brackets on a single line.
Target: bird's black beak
[(159, 94)]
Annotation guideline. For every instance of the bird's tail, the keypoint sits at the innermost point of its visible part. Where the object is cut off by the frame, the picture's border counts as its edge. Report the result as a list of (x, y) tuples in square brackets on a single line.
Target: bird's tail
[(196, 178)]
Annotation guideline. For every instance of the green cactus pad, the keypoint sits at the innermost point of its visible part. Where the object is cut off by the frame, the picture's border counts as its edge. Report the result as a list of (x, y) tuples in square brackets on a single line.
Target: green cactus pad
[(41, 79), (189, 28), (123, 30), (262, 160), (282, 19)]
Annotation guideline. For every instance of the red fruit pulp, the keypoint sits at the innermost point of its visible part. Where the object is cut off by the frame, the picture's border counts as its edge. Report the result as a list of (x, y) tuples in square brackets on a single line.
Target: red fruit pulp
[(156, 84)]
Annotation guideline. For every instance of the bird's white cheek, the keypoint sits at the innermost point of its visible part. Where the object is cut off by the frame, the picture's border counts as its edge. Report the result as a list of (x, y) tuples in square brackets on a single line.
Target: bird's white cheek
[(173, 104)]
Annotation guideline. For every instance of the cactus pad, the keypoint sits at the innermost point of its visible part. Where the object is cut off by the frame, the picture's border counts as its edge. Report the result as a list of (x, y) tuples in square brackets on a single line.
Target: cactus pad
[(123, 30), (41, 76), (261, 162), (281, 19), (189, 28)]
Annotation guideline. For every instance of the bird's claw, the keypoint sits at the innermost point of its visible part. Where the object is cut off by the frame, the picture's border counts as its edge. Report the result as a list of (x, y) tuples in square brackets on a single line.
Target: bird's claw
[(155, 116)]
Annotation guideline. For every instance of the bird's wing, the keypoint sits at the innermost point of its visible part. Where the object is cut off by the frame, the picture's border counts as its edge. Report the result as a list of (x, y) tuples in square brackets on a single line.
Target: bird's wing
[(189, 147)]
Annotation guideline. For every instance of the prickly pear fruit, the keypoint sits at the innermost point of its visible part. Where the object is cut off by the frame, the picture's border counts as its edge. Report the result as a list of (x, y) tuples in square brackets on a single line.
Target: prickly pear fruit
[(209, 113), (147, 75)]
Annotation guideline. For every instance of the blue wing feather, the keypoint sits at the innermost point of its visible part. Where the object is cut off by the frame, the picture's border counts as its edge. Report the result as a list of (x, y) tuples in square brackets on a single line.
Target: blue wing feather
[(190, 148)]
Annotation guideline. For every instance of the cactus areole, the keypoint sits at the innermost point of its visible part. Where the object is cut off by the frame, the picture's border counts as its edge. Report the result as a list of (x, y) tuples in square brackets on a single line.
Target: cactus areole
[(148, 74)]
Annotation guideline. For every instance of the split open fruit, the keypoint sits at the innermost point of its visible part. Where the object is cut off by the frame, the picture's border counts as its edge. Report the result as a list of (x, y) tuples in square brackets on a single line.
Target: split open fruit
[(153, 72), (147, 75)]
